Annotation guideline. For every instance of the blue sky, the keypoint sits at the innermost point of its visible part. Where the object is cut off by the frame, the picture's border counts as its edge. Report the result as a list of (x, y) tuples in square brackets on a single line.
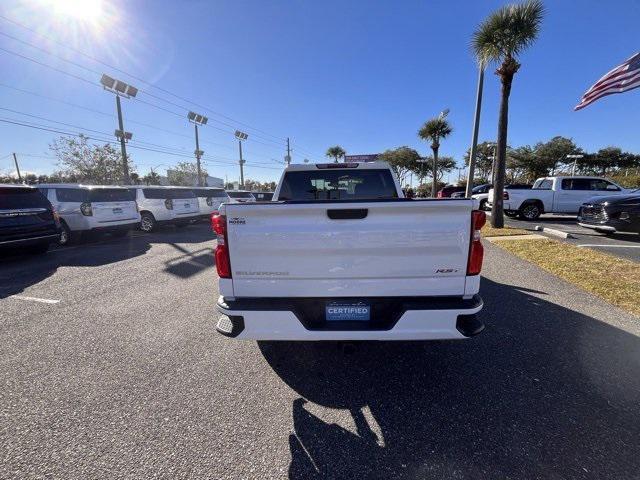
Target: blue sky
[(361, 74)]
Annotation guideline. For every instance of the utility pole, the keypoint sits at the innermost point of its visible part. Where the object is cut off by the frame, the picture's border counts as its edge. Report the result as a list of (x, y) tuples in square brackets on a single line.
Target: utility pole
[(198, 119), (241, 136), (15, 160), (119, 88), (474, 136), (287, 159)]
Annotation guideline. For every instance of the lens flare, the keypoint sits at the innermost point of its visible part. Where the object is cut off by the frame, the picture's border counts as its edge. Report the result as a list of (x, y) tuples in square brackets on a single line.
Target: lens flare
[(83, 10)]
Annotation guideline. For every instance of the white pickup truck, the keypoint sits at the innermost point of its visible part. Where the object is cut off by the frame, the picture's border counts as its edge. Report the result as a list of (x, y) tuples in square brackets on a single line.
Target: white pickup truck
[(339, 254), (555, 195)]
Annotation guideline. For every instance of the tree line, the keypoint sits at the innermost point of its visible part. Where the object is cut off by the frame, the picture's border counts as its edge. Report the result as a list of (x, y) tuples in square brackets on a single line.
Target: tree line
[(559, 155)]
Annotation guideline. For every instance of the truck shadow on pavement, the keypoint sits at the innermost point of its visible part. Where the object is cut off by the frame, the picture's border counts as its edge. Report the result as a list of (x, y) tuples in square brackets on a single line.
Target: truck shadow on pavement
[(544, 392), (18, 272)]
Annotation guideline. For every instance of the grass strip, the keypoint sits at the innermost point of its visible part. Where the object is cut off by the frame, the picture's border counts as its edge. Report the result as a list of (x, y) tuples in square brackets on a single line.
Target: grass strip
[(489, 231), (614, 279)]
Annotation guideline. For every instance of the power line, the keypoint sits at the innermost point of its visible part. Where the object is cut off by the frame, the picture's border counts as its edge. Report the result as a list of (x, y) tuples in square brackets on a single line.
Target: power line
[(64, 72), (128, 74), (106, 141)]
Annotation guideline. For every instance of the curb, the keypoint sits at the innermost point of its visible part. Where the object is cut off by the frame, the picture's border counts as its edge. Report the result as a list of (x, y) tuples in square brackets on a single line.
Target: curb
[(553, 231)]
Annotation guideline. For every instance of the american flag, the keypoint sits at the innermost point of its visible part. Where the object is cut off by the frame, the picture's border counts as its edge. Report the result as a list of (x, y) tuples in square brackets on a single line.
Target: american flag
[(621, 79)]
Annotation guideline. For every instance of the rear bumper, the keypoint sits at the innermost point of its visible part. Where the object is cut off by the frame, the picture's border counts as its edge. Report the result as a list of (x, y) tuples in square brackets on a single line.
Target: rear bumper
[(119, 227), (414, 318)]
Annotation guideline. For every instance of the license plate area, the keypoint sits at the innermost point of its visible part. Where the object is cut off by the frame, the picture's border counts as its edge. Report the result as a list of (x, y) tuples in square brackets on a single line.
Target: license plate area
[(348, 312), (117, 211)]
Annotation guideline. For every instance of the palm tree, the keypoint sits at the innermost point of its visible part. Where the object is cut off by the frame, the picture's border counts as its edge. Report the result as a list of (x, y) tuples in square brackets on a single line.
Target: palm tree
[(500, 39), (336, 153), (435, 130)]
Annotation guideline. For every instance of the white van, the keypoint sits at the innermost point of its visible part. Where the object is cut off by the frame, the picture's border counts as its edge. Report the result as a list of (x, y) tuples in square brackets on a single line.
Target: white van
[(209, 200), (166, 205), (92, 208)]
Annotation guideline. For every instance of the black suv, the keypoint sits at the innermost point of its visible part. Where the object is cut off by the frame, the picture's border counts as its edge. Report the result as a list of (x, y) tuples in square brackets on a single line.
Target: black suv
[(28, 223)]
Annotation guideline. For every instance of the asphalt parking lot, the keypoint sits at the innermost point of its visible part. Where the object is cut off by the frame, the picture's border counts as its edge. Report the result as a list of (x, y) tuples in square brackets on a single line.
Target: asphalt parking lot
[(110, 367), (623, 245)]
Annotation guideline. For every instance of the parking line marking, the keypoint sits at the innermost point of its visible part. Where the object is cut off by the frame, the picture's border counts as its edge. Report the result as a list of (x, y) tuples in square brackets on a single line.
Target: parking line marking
[(34, 299), (609, 246)]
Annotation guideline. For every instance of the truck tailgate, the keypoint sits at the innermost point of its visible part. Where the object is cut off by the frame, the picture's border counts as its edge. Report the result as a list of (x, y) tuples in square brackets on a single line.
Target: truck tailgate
[(359, 249)]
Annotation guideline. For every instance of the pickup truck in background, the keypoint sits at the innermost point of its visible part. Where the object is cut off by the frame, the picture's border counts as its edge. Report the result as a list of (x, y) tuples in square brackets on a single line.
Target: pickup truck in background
[(339, 254), (558, 194)]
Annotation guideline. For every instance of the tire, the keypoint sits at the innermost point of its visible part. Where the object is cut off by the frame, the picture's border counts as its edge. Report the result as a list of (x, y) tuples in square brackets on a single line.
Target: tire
[(530, 211), (147, 222), (67, 237), (511, 214)]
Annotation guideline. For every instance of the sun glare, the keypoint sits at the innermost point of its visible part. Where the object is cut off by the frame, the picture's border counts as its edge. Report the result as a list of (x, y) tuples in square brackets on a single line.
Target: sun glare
[(84, 10)]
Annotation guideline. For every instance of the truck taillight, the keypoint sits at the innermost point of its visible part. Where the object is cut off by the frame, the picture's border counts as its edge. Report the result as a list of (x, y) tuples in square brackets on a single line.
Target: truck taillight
[(505, 195), (223, 264), (476, 251)]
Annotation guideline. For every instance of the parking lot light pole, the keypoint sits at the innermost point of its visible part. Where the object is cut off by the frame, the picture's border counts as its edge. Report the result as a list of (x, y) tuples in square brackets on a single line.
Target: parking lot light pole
[(119, 88), (575, 162), (241, 136), (197, 119), (474, 136)]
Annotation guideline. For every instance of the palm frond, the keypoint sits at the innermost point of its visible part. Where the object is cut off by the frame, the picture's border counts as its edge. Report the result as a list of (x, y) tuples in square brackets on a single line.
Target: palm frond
[(435, 129), (508, 31)]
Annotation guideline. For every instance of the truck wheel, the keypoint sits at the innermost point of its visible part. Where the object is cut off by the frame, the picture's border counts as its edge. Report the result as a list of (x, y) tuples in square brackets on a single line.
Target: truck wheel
[(511, 213), (147, 222), (530, 211)]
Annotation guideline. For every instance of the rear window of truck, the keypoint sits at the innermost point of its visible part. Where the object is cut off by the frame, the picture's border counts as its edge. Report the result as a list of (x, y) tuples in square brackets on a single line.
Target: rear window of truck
[(15, 198), (323, 184)]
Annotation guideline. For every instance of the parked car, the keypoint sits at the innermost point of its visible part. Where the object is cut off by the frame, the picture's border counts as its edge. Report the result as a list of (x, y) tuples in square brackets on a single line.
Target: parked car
[(209, 200), (445, 192), (560, 194), (619, 213), (92, 208), (263, 196), (341, 255), (480, 193), (240, 196), (166, 205), (460, 194), (28, 222)]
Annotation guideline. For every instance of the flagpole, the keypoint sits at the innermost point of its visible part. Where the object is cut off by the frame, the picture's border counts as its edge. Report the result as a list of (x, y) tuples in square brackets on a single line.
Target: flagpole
[(474, 138)]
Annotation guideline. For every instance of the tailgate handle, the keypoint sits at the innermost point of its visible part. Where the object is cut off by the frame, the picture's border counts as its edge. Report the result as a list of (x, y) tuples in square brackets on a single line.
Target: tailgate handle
[(347, 213)]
